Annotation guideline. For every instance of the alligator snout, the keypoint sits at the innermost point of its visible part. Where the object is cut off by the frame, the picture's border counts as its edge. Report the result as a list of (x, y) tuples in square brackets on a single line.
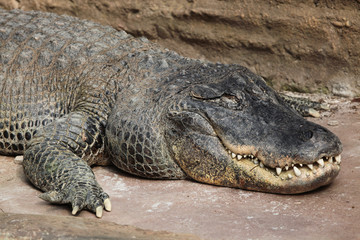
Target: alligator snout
[(326, 141)]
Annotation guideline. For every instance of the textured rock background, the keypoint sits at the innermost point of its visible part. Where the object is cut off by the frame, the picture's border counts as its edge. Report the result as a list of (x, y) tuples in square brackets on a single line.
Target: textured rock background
[(308, 46)]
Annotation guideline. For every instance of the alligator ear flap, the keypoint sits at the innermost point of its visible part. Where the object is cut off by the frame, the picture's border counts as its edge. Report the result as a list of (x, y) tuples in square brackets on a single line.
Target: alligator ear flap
[(191, 122), (206, 92)]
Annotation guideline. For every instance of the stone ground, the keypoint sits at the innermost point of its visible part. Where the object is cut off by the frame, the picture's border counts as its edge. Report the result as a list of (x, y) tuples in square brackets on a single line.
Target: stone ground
[(198, 210)]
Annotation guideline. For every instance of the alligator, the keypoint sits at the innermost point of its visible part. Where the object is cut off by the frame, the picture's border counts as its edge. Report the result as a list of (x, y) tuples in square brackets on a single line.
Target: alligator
[(76, 93)]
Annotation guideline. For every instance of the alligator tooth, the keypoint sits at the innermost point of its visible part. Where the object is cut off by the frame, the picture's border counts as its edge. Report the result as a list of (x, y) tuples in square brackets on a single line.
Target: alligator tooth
[(278, 170), (244, 156), (321, 162), (310, 166), (233, 155), (252, 156), (286, 167), (300, 164), (256, 161), (338, 159), (290, 176), (239, 157), (261, 165), (229, 151), (331, 160), (297, 171)]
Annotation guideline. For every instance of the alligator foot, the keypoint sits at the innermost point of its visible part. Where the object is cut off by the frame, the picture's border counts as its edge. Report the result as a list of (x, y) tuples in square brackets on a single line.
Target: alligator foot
[(89, 197), (304, 106)]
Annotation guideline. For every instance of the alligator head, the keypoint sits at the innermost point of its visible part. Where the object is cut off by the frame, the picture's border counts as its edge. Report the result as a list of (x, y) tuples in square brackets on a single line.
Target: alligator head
[(236, 131), (221, 125)]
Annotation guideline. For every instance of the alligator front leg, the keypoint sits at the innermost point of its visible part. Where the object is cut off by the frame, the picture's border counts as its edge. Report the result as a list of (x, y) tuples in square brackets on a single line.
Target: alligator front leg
[(305, 107), (54, 162)]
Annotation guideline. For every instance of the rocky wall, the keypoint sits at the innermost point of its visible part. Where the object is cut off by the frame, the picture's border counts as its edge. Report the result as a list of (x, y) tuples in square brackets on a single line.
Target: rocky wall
[(306, 46)]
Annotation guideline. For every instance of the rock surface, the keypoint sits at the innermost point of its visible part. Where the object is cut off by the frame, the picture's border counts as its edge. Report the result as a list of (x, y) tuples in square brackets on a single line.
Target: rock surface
[(295, 45), (28, 226)]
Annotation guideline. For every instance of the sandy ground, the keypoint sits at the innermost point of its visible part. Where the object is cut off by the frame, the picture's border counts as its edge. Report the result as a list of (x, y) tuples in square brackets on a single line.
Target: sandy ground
[(211, 212)]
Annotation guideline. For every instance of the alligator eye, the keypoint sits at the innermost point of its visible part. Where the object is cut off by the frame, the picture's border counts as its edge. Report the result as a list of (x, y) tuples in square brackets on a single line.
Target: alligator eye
[(205, 92), (231, 101)]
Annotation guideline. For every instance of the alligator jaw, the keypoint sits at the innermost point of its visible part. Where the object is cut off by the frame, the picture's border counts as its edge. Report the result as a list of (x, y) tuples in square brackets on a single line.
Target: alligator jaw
[(288, 172), (296, 178)]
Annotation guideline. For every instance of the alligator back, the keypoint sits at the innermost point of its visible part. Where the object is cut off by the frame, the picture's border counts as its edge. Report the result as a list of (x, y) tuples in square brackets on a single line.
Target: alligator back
[(48, 63)]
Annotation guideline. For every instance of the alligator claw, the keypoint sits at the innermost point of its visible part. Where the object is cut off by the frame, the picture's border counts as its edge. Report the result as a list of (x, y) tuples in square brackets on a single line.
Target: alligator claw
[(313, 113), (107, 204), (99, 211), (81, 197), (75, 210), (52, 196)]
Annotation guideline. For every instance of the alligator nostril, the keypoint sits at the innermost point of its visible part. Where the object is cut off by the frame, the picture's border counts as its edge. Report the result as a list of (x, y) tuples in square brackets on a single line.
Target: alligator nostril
[(307, 135)]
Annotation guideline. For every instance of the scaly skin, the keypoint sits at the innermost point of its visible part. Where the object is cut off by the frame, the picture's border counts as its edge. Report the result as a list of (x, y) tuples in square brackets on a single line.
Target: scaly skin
[(75, 93)]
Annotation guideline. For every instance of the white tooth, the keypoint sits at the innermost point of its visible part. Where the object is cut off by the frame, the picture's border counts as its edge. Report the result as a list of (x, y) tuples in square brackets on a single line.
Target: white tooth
[(331, 160), (297, 171), (244, 156), (300, 164), (292, 165), (286, 167), (261, 165), (233, 155), (310, 166), (239, 157), (290, 176), (278, 170), (229, 151), (256, 161), (338, 159), (252, 156), (321, 162)]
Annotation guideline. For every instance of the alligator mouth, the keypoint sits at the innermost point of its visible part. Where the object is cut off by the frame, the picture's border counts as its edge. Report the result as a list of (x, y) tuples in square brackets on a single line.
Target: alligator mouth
[(296, 170)]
